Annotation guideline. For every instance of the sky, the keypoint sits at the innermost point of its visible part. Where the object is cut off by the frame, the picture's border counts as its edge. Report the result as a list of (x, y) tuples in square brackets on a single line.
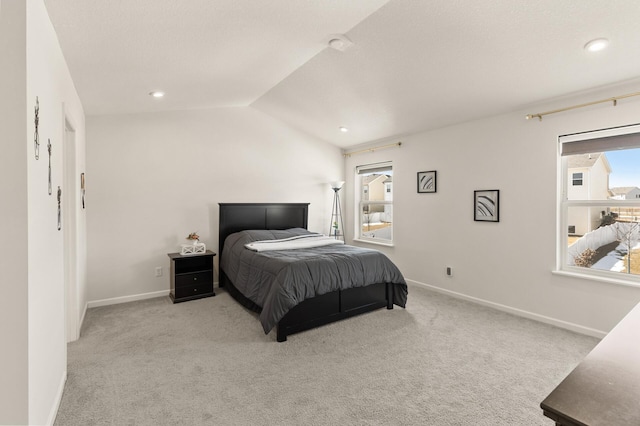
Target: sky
[(625, 166)]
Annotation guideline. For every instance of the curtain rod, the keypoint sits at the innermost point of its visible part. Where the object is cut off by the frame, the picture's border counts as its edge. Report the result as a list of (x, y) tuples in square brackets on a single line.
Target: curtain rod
[(613, 99), (375, 148)]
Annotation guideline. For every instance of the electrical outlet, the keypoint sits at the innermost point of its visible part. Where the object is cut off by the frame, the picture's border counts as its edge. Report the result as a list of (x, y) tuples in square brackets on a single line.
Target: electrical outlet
[(449, 271), (158, 271)]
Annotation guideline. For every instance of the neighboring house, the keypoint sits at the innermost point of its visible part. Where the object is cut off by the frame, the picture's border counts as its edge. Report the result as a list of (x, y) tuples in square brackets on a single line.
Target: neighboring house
[(625, 193), (387, 188), (377, 222), (374, 189), (588, 179), (388, 196)]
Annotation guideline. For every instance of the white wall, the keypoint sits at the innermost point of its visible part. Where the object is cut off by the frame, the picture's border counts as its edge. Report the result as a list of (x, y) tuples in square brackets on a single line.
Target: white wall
[(154, 178), (510, 263), (32, 315), (48, 78), (13, 215)]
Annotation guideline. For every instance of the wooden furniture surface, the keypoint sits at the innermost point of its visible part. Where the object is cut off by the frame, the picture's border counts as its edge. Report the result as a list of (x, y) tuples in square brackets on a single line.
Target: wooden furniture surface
[(191, 276), (235, 217), (310, 313), (604, 389)]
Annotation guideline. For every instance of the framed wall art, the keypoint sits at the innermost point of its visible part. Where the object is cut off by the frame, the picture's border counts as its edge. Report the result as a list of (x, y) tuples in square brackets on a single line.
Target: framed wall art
[(427, 182), (486, 205)]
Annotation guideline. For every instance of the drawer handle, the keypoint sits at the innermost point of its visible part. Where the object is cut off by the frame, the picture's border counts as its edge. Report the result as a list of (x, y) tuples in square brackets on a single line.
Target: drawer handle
[(195, 278), (195, 289)]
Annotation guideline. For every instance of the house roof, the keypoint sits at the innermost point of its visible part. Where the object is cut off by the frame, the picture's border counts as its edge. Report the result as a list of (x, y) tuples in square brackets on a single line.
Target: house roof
[(366, 180), (583, 160), (621, 190)]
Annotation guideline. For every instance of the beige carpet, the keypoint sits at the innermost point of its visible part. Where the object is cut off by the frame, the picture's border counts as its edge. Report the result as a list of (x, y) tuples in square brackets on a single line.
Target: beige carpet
[(441, 361)]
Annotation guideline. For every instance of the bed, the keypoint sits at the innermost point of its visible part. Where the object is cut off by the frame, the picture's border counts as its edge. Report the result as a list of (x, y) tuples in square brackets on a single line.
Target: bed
[(236, 219)]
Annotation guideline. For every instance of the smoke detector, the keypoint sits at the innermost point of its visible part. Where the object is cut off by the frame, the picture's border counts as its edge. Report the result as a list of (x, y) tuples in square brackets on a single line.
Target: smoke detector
[(339, 42)]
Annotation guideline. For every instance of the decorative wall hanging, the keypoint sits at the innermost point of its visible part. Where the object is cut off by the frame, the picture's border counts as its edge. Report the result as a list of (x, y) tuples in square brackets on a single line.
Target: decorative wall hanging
[(82, 189), (59, 209), (36, 136), (49, 149), (427, 181), (486, 205)]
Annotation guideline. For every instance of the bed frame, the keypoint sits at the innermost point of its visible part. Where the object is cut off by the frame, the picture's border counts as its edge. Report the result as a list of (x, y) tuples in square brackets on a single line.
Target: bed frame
[(311, 313)]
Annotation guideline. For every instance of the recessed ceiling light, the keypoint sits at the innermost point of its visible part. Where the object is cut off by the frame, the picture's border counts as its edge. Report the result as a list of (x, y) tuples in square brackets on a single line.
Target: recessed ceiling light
[(596, 45), (343, 129), (156, 94)]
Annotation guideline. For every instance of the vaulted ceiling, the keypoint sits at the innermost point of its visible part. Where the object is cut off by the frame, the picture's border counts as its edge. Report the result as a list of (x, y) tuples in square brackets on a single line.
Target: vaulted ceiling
[(413, 65)]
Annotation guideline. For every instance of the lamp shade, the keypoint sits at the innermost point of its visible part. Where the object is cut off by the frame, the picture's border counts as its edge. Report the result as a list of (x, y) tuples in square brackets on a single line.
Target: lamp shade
[(337, 184)]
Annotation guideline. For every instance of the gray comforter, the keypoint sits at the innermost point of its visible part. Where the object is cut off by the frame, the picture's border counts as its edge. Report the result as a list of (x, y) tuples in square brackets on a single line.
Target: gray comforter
[(279, 280)]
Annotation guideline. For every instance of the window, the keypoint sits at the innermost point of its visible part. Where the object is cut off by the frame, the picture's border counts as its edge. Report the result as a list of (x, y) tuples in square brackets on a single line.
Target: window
[(599, 206), (577, 179), (375, 202)]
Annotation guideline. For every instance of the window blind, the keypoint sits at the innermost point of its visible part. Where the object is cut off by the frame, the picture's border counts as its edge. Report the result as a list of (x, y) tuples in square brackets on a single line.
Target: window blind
[(374, 168), (600, 141)]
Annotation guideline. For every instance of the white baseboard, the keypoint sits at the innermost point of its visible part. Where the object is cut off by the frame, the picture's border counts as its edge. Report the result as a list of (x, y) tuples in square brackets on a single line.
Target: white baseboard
[(125, 299), (56, 405), (519, 312)]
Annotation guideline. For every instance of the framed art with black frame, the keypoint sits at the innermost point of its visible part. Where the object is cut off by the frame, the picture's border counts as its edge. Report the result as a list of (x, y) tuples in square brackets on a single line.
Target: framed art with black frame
[(486, 205), (427, 182)]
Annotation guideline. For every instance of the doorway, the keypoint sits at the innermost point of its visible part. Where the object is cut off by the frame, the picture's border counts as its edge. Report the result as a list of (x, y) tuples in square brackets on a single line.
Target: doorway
[(69, 229)]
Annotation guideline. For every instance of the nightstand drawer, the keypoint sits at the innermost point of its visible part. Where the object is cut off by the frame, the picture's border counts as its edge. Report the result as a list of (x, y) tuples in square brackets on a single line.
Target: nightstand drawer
[(194, 279), (193, 290)]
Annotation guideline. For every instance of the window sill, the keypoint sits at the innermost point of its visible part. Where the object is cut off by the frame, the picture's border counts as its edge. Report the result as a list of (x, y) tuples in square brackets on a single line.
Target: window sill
[(598, 278), (377, 243)]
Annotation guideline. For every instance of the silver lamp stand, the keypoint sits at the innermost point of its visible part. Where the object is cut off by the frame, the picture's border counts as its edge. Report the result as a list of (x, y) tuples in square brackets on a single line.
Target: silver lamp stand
[(336, 229)]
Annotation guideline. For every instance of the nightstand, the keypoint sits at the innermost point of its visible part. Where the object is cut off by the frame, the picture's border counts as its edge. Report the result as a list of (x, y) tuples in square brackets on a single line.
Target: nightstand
[(191, 276)]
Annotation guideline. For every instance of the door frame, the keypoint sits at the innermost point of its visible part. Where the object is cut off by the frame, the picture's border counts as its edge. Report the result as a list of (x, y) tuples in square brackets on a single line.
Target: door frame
[(70, 229)]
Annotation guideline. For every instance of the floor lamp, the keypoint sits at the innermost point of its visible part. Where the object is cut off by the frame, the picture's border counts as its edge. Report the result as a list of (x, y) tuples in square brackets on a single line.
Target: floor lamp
[(336, 228)]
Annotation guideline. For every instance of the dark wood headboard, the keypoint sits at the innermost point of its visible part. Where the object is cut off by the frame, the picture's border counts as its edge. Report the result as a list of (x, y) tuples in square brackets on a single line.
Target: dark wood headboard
[(235, 217)]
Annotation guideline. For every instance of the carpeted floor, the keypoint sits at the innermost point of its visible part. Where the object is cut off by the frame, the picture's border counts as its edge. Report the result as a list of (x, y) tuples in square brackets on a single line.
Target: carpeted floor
[(441, 361)]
